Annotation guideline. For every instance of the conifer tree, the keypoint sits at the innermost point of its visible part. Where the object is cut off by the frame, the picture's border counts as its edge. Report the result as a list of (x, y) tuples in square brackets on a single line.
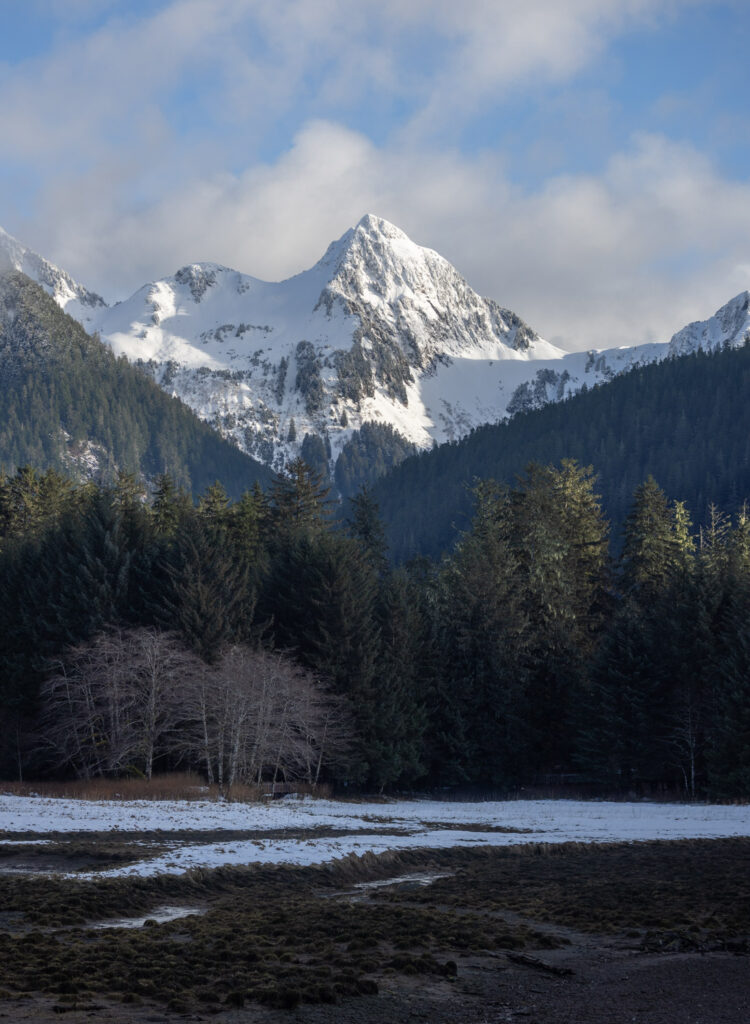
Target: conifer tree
[(298, 500), (554, 526), (169, 507), (30, 501), (210, 599), (656, 542), (623, 718), (91, 573), (365, 525), (320, 595), (483, 688), (213, 506), (248, 523), (396, 753)]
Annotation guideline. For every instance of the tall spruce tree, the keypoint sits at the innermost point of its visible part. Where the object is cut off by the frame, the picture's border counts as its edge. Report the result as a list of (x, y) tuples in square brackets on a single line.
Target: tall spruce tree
[(364, 523), (170, 506), (555, 528), (210, 596), (298, 500), (399, 754), (320, 595), (655, 543), (484, 714)]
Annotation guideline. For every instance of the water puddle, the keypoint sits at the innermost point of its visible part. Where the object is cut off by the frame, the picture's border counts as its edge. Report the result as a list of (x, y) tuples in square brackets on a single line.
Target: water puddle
[(24, 842), (416, 881), (160, 915)]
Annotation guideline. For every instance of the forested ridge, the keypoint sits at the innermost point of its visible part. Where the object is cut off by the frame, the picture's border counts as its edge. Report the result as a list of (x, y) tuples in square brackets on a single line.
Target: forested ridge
[(65, 399), (263, 639), (686, 421)]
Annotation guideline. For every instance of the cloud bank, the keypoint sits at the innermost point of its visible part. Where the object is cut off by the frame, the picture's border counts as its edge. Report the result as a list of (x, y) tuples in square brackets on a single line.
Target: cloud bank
[(253, 132)]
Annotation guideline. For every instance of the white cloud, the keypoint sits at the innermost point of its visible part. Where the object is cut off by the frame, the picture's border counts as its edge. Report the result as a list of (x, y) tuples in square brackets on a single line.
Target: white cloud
[(261, 57), (127, 193), (631, 255)]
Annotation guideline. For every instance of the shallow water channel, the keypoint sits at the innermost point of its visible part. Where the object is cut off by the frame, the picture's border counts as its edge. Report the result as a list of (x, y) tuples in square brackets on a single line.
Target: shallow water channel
[(160, 915)]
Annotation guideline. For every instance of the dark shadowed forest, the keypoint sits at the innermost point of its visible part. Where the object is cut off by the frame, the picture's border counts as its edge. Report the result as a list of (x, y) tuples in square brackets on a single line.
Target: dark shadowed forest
[(265, 639)]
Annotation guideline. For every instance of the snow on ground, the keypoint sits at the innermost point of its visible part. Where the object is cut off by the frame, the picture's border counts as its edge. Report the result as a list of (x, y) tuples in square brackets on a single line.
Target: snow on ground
[(365, 827)]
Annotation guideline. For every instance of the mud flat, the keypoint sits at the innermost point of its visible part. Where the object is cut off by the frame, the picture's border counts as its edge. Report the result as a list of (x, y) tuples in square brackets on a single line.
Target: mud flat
[(656, 932)]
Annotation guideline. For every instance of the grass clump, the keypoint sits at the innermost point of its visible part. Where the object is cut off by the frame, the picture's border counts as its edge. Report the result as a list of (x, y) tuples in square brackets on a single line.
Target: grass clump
[(282, 936)]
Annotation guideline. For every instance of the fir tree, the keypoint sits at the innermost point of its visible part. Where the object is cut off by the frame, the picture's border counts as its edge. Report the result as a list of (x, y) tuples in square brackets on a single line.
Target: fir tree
[(213, 506), (320, 595), (210, 598), (298, 500), (656, 542), (169, 507), (365, 525)]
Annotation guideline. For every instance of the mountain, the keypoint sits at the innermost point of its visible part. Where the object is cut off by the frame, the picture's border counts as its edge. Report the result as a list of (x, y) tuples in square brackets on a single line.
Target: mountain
[(379, 350), (380, 330), (381, 333), (67, 402), (728, 327), (684, 420), (70, 296)]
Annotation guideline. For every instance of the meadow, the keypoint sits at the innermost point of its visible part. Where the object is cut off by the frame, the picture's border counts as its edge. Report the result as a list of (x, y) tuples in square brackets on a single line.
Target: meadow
[(322, 910)]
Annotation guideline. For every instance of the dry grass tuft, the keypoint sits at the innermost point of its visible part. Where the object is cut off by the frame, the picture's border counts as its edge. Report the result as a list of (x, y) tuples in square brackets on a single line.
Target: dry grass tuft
[(172, 786)]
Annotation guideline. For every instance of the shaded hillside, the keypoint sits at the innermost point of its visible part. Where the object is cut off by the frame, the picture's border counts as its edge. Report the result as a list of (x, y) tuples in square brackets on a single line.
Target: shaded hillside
[(67, 403), (686, 421)]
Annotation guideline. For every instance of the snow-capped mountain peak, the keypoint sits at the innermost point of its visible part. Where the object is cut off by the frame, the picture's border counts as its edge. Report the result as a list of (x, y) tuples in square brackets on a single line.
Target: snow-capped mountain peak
[(69, 295), (379, 331), (361, 336), (729, 325), (379, 273)]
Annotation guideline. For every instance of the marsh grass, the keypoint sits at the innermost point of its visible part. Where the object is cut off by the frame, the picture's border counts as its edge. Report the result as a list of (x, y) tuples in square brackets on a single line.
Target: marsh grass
[(283, 935), (268, 936), (700, 886), (172, 786)]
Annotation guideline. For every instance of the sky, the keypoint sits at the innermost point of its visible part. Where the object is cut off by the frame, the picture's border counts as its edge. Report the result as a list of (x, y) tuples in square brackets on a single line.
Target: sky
[(586, 163)]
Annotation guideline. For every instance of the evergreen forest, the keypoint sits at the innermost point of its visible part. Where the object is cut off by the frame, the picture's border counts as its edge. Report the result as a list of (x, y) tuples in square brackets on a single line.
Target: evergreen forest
[(67, 403), (685, 421), (264, 638)]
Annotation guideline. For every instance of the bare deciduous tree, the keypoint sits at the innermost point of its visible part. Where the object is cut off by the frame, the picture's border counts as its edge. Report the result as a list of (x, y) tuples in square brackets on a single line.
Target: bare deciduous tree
[(115, 704), (112, 703), (257, 715)]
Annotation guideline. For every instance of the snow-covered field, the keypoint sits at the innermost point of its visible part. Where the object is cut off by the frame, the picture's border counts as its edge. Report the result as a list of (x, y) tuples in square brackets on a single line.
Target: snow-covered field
[(360, 827)]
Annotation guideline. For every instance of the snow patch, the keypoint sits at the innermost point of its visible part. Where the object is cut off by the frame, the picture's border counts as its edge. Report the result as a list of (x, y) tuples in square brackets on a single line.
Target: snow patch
[(377, 827)]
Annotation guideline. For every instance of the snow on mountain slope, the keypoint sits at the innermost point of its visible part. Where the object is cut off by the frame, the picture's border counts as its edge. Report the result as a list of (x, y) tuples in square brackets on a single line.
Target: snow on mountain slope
[(363, 336), (69, 295), (729, 325), (379, 330)]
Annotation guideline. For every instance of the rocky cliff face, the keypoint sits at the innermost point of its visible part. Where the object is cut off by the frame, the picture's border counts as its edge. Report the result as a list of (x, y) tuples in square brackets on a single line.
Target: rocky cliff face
[(380, 331), (729, 325)]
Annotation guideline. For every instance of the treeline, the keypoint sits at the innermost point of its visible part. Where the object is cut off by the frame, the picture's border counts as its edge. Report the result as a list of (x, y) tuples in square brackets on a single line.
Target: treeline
[(262, 638), (230, 584), (68, 403), (685, 421)]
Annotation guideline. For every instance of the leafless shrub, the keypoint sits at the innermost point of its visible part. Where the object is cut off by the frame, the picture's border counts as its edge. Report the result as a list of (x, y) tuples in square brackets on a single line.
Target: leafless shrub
[(114, 705), (257, 716), (113, 702)]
